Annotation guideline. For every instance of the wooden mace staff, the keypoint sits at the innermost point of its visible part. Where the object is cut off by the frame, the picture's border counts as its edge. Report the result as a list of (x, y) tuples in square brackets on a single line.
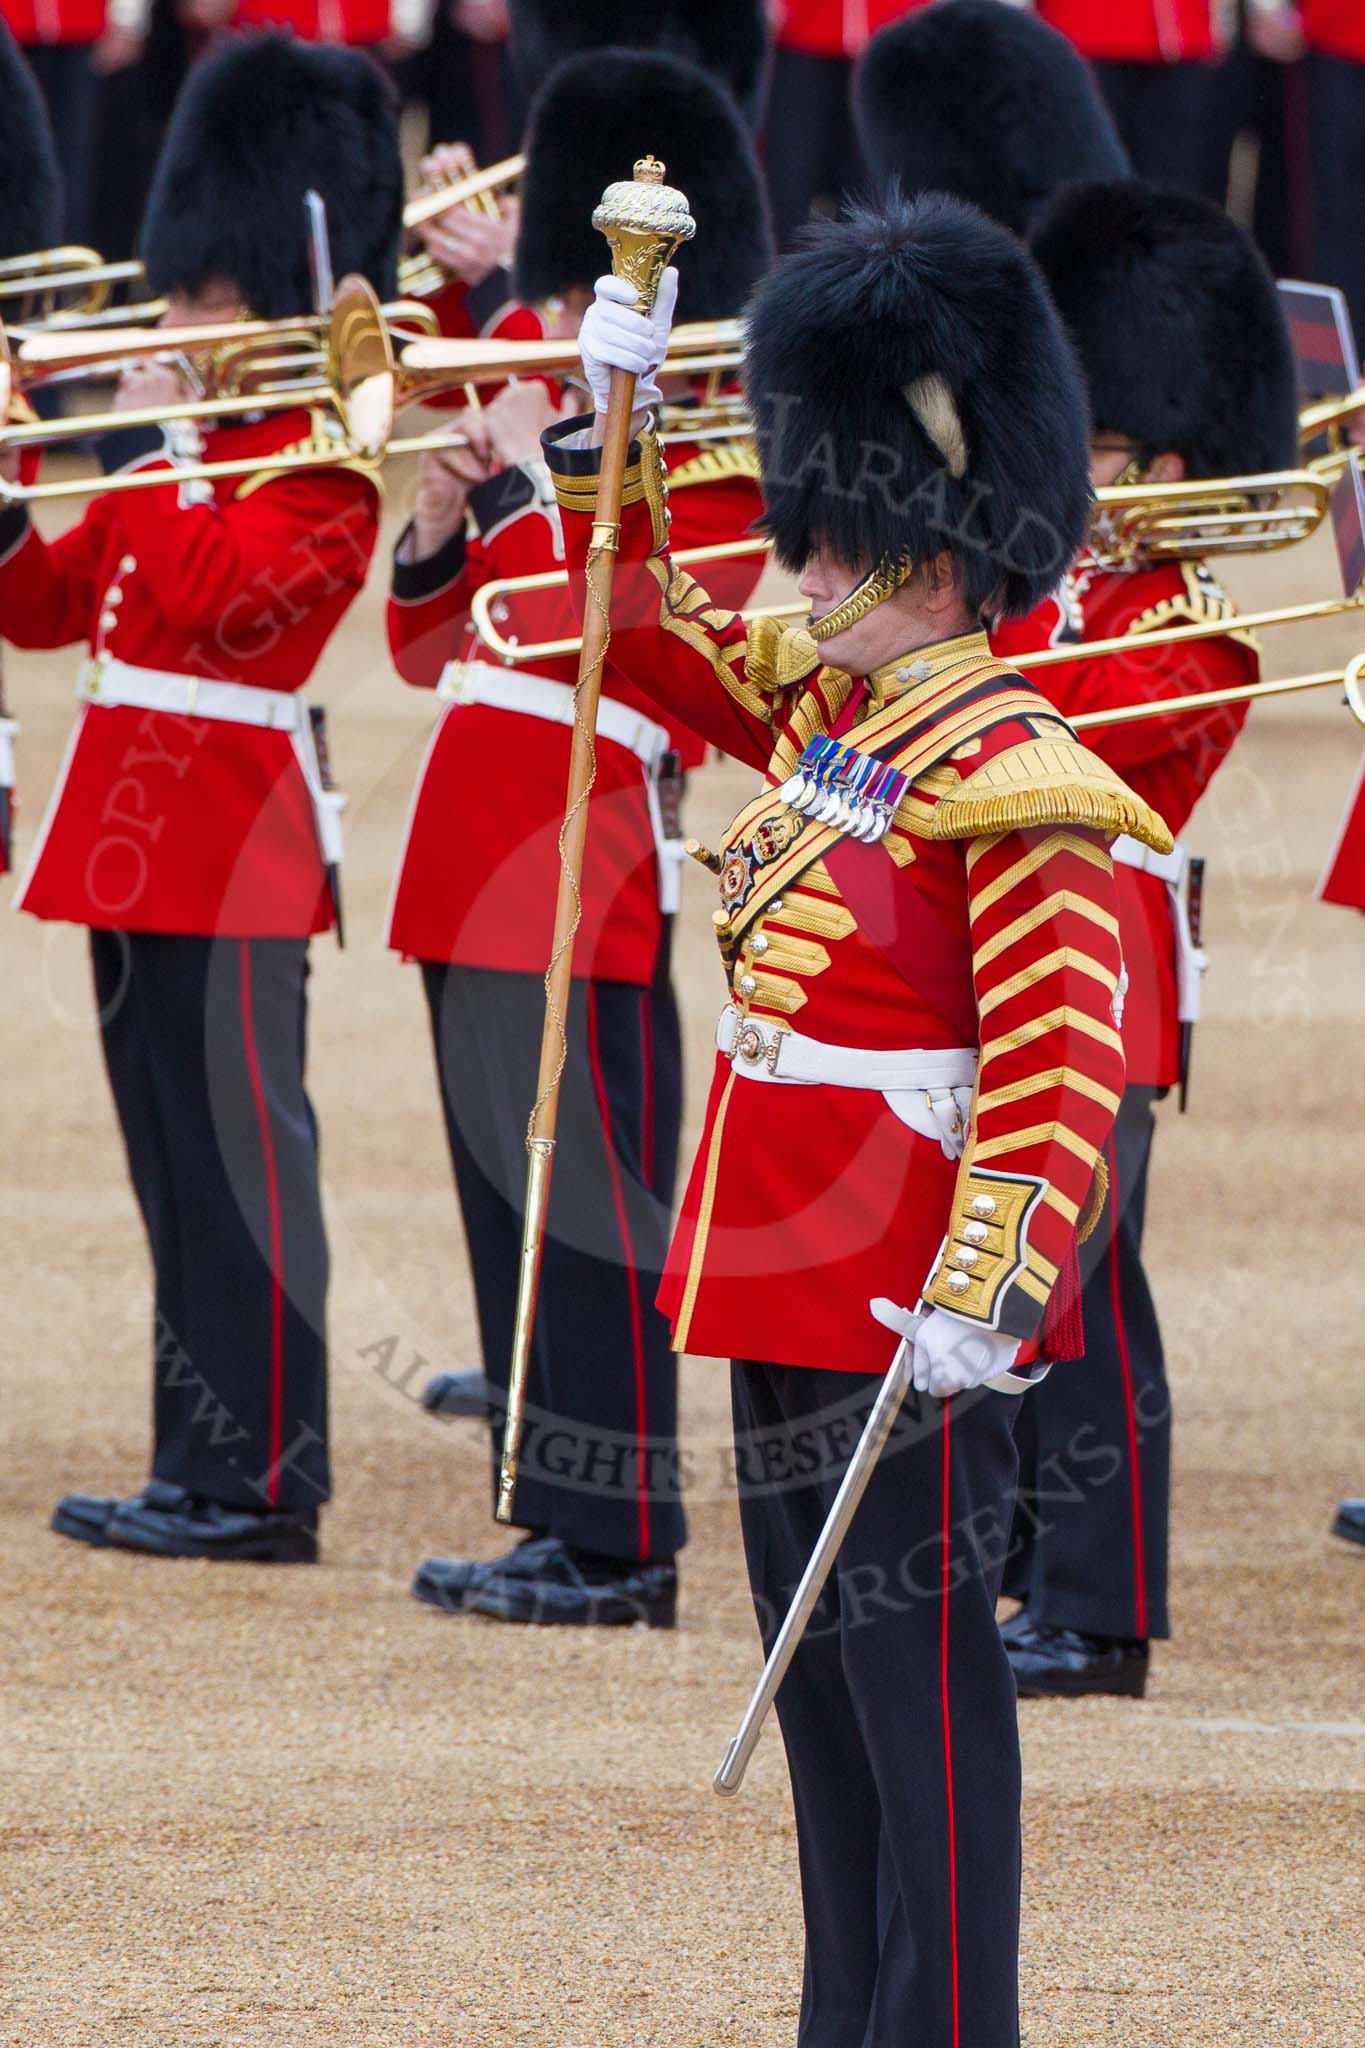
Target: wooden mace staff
[(644, 221)]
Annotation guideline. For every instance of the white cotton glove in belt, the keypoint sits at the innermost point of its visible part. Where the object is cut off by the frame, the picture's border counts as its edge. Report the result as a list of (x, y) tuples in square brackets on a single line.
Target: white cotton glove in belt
[(614, 336), (950, 1355)]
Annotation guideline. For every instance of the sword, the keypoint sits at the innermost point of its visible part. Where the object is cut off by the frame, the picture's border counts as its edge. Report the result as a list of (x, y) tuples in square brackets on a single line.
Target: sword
[(852, 1487)]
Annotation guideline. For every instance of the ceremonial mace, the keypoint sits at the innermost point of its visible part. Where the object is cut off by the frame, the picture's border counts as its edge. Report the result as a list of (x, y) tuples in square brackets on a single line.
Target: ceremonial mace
[(643, 220)]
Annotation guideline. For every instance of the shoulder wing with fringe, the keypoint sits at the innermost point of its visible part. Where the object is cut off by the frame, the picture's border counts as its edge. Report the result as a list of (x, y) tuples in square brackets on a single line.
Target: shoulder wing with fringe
[(1047, 779)]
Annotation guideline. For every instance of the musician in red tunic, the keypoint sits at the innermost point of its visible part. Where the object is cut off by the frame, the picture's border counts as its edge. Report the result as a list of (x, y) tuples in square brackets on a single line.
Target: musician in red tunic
[(918, 1064), (475, 894), (189, 828), (1190, 373)]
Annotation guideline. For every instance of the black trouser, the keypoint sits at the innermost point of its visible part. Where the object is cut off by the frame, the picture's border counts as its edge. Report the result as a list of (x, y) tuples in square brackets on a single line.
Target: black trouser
[(810, 147), (204, 1040), (70, 88), (898, 1711), (1160, 112), (1092, 1524), (599, 1457), (1336, 126)]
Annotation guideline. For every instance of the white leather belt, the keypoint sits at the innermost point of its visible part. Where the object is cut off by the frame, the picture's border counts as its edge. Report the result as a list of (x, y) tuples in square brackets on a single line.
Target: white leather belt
[(519, 689), (106, 681), (1167, 867), (931, 1092), (1191, 961), (8, 728)]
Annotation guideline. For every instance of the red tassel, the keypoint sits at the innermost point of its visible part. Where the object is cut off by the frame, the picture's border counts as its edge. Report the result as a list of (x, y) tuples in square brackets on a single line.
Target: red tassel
[(1063, 1328)]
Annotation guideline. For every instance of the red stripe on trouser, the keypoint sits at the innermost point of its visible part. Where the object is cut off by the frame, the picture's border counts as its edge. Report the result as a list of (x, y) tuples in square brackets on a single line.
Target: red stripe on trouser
[(947, 1713), (272, 1191), (637, 1335), (1130, 1410), (646, 1090)]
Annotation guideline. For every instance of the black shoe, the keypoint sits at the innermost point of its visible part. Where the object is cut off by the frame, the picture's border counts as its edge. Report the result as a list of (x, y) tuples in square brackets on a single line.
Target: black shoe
[(1349, 1521), (545, 1582), (186, 1525), (1061, 1663), (460, 1393), (444, 1581), (86, 1516)]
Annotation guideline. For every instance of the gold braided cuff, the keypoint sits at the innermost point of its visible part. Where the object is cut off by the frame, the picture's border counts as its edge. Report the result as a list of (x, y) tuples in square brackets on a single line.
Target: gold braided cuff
[(987, 1251)]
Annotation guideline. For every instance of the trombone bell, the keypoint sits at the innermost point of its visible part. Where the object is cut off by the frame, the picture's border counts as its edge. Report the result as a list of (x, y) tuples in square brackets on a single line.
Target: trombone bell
[(360, 369)]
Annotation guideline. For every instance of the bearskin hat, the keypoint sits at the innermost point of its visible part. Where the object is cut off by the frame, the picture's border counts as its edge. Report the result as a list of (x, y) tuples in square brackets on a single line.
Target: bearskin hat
[(1177, 323), (30, 188), (912, 391), (727, 38), (260, 122), (596, 116), (986, 102)]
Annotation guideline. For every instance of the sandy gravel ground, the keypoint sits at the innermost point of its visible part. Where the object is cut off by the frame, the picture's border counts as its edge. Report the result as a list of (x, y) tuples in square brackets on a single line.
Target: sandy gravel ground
[(252, 1808)]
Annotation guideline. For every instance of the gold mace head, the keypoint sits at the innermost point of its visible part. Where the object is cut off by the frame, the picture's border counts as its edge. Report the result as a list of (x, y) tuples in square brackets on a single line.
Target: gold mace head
[(644, 221)]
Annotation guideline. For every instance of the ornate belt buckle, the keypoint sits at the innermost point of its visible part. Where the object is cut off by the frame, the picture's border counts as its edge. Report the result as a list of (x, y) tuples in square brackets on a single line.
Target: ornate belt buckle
[(749, 1045)]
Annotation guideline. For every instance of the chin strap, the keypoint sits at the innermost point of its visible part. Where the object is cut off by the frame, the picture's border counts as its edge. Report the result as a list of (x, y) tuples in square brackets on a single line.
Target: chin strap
[(881, 582)]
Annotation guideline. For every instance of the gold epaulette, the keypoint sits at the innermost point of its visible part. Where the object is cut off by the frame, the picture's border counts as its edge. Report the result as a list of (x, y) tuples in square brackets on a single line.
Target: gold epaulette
[(776, 656), (1202, 601), (716, 465), (324, 437), (1047, 782)]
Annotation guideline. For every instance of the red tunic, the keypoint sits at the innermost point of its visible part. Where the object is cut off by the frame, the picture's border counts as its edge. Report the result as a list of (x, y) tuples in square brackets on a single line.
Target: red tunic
[(1168, 761), (358, 22), (56, 21), (479, 868), (175, 823), (1135, 31), (807, 1201), (836, 28), (1343, 878), (1336, 27)]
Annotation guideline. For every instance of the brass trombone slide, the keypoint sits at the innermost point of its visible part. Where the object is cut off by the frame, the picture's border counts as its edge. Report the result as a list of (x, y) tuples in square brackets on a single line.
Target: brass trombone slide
[(357, 386)]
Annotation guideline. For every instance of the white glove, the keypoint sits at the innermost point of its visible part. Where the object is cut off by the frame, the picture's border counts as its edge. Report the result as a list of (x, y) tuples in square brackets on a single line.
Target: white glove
[(950, 1354), (614, 336)]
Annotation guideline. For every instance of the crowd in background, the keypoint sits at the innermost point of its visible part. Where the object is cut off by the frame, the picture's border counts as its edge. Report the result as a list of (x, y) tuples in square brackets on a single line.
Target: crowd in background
[(1257, 103)]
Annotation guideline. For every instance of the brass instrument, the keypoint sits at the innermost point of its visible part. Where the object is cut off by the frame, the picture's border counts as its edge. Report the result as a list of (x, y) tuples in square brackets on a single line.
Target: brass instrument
[(243, 369), (255, 366), (46, 276), (420, 276), (354, 380), (1332, 418)]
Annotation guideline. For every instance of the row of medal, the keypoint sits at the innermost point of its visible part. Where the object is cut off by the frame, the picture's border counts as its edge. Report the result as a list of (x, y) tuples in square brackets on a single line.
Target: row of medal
[(836, 785)]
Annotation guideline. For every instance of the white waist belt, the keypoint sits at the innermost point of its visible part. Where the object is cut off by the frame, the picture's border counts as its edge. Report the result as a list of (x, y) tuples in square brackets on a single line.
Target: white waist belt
[(518, 689), (104, 681), (1191, 961), (1167, 867), (931, 1092), (8, 728)]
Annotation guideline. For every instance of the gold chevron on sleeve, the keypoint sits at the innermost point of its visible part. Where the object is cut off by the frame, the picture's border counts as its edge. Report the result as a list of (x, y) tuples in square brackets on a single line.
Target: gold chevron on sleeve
[(1029, 864), (1051, 1077), (1043, 913), (1063, 1018), (716, 465), (1051, 1133), (1055, 962)]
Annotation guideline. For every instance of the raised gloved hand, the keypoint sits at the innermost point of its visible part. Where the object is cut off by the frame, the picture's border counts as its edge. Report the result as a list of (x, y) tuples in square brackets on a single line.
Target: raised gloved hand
[(614, 336), (950, 1354)]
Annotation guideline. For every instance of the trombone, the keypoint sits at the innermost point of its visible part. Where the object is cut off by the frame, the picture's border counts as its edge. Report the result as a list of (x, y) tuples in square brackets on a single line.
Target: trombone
[(260, 366), (352, 348), (1148, 522)]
